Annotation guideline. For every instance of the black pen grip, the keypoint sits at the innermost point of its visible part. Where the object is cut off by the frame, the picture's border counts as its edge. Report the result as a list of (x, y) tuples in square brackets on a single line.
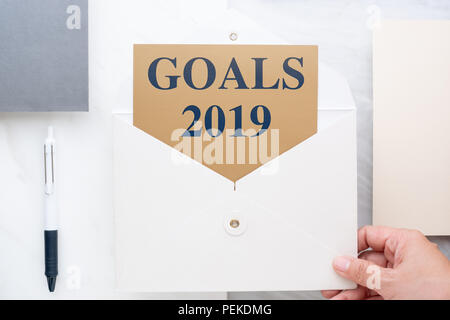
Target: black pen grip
[(51, 253)]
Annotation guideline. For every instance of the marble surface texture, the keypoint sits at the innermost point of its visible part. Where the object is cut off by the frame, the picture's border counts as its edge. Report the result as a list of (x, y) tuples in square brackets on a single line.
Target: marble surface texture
[(341, 28)]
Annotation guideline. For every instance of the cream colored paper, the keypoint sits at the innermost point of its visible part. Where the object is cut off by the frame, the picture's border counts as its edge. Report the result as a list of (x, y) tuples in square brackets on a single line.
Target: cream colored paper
[(412, 125)]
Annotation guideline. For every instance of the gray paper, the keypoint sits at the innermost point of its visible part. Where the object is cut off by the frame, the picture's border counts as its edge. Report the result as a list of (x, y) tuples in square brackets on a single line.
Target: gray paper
[(44, 55)]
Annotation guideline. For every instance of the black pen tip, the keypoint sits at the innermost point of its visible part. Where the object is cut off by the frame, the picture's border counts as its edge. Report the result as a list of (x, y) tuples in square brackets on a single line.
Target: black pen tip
[(51, 283)]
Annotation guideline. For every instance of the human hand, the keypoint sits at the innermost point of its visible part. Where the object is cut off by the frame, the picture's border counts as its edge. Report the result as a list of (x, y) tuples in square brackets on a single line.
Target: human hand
[(402, 264)]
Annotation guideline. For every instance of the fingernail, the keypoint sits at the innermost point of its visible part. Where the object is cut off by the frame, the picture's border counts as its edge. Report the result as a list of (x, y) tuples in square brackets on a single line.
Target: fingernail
[(341, 263)]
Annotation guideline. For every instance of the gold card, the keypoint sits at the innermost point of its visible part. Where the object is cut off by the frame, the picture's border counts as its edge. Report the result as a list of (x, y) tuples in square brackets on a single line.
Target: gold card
[(233, 108)]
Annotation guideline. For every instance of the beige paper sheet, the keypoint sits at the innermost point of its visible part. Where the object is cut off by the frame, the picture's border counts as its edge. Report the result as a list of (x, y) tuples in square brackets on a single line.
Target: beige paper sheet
[(293, 111), (411, 169)]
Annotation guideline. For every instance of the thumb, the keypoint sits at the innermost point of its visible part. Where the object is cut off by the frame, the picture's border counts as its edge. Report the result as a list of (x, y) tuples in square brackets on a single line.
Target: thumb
[(364, 273)]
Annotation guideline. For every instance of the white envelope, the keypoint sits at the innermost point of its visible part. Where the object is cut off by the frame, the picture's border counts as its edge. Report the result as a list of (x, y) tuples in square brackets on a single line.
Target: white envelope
[(296, 213), (172, 214)]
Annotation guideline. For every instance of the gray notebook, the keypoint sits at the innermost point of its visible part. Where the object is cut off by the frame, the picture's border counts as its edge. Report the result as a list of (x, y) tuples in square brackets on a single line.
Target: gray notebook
[(44, 55)]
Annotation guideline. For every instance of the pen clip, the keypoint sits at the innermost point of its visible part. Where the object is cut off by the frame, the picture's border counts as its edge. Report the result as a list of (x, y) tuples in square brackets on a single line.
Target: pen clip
[(52, 164), (49, 163)]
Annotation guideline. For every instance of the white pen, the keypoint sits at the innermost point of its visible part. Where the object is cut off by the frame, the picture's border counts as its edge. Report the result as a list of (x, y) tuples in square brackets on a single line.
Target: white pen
[(50, 213)]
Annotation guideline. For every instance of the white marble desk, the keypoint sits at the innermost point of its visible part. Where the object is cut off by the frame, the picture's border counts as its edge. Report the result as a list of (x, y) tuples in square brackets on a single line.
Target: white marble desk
[(341, 29)]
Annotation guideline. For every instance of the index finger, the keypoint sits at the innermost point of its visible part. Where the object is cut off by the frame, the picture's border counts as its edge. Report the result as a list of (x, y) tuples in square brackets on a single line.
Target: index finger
[(374, 237)]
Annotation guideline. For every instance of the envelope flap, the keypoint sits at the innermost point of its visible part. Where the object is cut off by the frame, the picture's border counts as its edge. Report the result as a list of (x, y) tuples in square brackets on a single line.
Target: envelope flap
[(334, 91)]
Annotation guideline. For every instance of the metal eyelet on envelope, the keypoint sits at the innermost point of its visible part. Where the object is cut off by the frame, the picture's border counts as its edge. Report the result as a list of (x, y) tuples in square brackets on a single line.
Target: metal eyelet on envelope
[(235, 223), (233, 36)]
